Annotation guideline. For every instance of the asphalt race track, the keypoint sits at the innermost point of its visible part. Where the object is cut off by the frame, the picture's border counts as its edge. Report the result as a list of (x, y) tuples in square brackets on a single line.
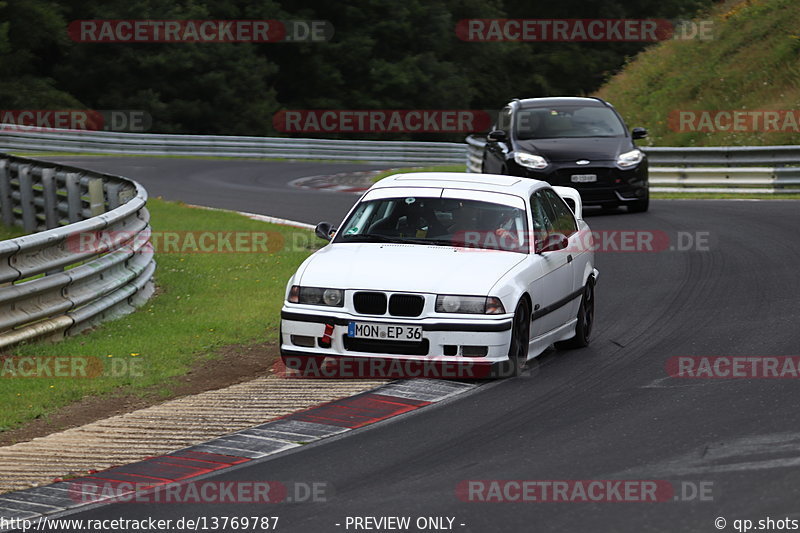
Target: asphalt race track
[(244, 185), (731, 447)]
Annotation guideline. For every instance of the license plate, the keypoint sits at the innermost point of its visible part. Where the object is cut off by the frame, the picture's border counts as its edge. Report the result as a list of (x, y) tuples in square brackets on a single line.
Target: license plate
[(584, 178), (384, 332)]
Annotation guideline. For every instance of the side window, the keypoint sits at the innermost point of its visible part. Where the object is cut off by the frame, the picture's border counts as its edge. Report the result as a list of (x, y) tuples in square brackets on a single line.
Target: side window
[(564, 220), (504, 119), (542, 222)]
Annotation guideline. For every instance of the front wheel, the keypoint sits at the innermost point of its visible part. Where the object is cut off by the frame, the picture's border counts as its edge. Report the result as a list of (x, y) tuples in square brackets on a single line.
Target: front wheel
[(520, 342), (583, 328)]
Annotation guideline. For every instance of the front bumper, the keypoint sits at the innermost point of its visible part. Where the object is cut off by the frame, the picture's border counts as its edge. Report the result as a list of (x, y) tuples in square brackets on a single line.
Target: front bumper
[(614, 186), (442, 340)]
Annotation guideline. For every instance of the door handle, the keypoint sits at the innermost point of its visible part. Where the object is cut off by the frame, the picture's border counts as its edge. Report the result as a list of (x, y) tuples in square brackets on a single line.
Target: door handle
[(569, 258)]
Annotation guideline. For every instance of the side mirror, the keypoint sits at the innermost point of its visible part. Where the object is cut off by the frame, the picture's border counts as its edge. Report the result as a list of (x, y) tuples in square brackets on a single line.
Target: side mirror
[(325, 230), (552, 243), (497, 136), (639, 133)]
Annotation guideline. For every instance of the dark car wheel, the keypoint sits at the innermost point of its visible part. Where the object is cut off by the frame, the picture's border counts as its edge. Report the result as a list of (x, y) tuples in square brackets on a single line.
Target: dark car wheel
[(520, 337), (583, 328)]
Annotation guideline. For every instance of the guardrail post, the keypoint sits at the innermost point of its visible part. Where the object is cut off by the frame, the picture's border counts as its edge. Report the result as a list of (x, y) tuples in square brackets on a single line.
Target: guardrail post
[(50, 198), (26, 199), (6, 203), (113, 191), (74, 204), (97, 199)]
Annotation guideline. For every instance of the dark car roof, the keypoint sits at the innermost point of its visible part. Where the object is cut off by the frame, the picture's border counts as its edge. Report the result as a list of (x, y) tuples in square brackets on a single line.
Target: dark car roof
[(561, 100)]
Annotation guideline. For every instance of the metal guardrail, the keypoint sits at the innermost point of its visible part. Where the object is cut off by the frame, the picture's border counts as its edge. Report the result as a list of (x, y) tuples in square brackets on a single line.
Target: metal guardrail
[(31, 139), (770, 169), (52, 282), (706, 169)]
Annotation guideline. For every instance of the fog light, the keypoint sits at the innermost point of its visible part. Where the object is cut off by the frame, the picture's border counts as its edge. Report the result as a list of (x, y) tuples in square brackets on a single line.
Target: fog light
[(303, 340), (474, 351)]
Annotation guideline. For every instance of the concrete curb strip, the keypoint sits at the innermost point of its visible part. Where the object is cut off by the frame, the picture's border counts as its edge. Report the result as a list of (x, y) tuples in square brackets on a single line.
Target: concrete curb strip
[(290, 431)]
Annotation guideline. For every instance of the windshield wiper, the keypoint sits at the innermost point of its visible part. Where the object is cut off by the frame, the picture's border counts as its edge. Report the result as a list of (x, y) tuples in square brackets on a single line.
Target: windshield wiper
[(371, 237), (452, 242), (412, 240)]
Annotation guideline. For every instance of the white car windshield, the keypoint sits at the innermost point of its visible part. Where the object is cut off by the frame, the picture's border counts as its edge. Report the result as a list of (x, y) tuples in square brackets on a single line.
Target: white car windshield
[(437, 221)]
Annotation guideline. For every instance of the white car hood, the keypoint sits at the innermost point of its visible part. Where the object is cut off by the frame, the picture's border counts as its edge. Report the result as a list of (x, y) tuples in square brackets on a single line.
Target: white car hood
[(407, 267)]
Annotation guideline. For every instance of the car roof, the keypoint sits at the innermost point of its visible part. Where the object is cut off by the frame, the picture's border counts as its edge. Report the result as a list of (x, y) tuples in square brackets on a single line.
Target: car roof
[(463, 180), (561, 100)]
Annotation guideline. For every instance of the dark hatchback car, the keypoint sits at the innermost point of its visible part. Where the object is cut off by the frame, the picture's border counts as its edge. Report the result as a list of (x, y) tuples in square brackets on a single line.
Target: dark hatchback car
[(576, 142)]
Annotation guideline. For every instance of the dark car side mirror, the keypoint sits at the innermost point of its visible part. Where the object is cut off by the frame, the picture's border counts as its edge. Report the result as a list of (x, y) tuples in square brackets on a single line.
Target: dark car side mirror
[(497, 136), (325, 230), (553, 242), (639, 133)]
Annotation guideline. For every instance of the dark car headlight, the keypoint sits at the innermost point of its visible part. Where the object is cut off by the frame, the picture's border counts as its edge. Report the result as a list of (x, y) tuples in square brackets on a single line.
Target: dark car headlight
[(316, 296), (630, 159), (527, 160)]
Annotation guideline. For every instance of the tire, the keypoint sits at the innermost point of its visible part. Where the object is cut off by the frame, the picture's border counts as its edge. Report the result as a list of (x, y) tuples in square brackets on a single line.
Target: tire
[(583, 329), (518, 347), (640, 206)]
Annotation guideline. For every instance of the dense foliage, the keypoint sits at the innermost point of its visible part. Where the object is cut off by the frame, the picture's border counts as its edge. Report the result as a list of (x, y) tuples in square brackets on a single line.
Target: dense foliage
[(383, 55)]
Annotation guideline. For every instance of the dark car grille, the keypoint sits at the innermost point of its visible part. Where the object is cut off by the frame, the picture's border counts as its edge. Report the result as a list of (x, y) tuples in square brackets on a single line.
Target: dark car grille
[(406, 305), (370, 303), (386, 347), (375, 303)]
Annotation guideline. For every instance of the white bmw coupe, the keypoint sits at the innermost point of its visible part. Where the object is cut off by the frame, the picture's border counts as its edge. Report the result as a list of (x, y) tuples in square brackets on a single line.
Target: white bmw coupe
[(462, 269)]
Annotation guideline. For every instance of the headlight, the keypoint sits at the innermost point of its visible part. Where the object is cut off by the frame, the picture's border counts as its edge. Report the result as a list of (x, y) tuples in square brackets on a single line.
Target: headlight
[(530, 161), (479, 305), (630, 159), (316, 296)]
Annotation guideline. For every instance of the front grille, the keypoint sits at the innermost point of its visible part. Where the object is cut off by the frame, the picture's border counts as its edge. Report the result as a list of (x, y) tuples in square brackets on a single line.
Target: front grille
[(370, 303), (406, 305), (598, 195), (386, 347)]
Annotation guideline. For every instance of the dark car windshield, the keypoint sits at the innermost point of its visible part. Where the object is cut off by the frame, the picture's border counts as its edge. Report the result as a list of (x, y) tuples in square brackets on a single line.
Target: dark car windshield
[(567, 121), (437, 222)]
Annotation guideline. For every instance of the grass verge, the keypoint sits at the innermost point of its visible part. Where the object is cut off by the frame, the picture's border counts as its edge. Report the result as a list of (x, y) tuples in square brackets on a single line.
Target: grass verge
[(204, 302), (749, 63)]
